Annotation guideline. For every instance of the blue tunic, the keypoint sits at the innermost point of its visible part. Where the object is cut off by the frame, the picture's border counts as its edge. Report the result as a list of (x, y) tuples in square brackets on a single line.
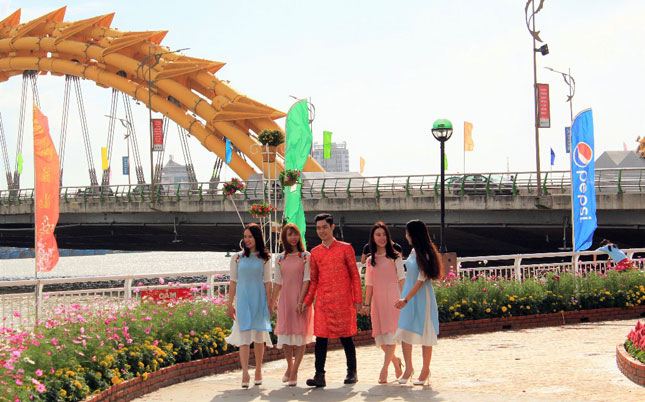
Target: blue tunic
[(251, 304), (614, 252), (412, 316)]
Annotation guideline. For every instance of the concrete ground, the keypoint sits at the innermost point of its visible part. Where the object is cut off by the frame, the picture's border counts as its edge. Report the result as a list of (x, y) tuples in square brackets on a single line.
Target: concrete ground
[(568, 363)]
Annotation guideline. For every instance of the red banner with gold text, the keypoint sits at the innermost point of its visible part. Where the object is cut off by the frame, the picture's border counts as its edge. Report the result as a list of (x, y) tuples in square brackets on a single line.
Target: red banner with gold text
[(47, 188)]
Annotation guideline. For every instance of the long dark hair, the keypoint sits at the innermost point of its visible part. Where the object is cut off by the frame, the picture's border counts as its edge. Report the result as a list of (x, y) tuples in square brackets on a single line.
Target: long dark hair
[(255, 230), (426, 252), (288, 248), (390, 252)]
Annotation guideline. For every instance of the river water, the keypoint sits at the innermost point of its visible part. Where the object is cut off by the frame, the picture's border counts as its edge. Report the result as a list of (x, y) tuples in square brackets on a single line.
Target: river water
[(118, 264)]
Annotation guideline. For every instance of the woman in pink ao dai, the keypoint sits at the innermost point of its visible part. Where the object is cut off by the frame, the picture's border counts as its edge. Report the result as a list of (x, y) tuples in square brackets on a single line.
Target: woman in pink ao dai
[(294, 326), (384, 278)]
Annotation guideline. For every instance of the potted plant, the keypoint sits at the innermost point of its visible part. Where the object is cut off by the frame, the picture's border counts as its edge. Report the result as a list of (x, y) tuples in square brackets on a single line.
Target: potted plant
[(261, 209), (270, 139), (233, 186), (289, 177)]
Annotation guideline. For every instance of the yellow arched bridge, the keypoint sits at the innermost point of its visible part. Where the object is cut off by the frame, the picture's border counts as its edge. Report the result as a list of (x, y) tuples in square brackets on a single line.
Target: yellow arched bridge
[(185, 89)]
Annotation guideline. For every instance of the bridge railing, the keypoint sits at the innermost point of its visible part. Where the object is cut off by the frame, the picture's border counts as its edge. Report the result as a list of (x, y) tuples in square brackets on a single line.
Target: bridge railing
[(22, 301), (607, 181)]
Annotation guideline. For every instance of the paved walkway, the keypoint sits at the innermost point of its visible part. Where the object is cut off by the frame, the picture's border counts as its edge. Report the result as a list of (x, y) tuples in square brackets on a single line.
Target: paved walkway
[(569, 363)]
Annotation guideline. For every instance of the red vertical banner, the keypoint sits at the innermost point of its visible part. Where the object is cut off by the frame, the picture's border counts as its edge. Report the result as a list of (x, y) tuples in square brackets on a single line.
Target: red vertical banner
[(544, 108), (157, 135), (47, 174)]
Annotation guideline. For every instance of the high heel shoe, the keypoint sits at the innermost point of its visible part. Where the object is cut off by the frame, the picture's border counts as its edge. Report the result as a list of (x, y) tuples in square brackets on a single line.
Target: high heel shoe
[(285, 379), (405, 380), (245, 384), (424, 382), (257, 382)]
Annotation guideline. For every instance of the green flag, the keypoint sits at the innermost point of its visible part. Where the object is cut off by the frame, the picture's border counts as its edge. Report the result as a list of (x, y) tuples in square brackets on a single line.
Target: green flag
[(298, 146), (326, 144), (20, 160)]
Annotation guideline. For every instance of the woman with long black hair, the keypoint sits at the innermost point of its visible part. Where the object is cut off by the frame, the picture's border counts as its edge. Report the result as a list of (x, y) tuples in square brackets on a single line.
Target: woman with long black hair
[(250, 289), (384, 278), (419, 317)]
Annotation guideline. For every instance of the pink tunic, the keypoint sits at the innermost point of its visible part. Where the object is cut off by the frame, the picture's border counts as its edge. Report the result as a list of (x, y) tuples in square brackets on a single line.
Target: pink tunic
[(291, 271), (384, 278)]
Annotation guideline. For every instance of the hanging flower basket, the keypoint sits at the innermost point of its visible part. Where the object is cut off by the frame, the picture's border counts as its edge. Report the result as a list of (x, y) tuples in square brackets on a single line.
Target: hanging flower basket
[(261, 209), (271, 137), (289, 177), (233, 186)]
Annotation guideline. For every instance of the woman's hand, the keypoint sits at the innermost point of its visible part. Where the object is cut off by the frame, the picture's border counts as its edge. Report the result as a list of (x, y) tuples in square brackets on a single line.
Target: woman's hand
[(230, 311), (400, 303), (365, 310)]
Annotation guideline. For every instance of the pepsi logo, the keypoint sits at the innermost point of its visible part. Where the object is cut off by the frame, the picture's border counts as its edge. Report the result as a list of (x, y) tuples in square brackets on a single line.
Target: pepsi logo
[(582, 155)]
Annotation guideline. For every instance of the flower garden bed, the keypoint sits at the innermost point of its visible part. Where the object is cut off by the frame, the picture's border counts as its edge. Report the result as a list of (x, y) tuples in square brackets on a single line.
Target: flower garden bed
[(630, 367)]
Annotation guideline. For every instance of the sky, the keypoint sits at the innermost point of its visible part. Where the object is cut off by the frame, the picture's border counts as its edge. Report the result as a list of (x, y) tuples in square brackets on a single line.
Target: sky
[(379, 73)]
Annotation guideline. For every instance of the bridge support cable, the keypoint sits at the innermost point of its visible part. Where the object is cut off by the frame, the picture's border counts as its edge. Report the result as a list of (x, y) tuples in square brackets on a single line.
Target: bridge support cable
[(217, 171), (133, 137), (85, 131), (161, 154), (15, 182), (63, 125), (105, 180), (188, 160), (5, 153)]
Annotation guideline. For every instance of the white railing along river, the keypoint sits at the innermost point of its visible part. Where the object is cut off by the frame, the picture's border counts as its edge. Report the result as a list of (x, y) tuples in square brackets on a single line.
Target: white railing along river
[(21, 301)]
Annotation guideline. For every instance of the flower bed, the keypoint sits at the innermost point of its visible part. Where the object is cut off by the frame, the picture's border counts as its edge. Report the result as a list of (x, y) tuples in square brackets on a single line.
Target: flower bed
[(79, 350), (630, 357)]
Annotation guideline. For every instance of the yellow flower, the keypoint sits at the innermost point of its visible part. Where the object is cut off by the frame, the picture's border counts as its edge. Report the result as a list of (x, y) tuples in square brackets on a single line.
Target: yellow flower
[(63, 393), (488, 310), (511, 298), (451, 308), (77, 384), (70, 373), (145, 376), (504, 309), (141, 364), (528, 307), (509, 306)]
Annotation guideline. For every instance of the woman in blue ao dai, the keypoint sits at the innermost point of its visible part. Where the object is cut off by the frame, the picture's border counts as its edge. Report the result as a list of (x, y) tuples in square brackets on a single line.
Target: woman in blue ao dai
[(419, 318), (250, 289)]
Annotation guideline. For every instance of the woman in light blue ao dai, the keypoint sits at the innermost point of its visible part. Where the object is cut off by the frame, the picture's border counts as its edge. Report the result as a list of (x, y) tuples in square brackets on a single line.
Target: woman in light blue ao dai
[(250, 289), (419, 317)]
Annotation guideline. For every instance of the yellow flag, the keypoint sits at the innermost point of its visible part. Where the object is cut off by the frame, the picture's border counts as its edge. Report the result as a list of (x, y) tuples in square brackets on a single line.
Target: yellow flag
[(362, 164), (469, 145), (104, 158)]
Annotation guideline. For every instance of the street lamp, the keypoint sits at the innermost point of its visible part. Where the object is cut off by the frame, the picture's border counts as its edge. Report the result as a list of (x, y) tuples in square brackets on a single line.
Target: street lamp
[(543, 50), (151, 84), (442, 130), (568, 79), (126, 137)]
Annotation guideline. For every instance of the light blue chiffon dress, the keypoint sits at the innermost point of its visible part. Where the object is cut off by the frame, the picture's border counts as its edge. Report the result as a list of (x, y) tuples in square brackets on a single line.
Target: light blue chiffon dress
[(419, 319), (253, 322)]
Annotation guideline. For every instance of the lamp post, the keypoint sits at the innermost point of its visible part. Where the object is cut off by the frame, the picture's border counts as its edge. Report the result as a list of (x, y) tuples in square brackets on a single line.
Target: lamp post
[(442, 130), (544, 50), (151, 84), (568, 79), (126, 137)]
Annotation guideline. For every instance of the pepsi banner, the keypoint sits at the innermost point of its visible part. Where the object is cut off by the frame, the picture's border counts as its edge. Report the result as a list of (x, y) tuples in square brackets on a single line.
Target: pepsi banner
[(583, 194)]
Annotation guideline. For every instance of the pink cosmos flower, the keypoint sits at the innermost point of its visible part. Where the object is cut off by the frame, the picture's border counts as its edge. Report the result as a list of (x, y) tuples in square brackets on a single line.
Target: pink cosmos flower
[(18, 382), (54, 341), (41, 388), (39, 372), (162, 281)]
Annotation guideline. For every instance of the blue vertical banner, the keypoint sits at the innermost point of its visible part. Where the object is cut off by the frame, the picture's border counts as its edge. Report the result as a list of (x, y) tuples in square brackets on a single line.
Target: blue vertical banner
[(229, 151), (583, 195), (567, 139), (126, 166), (552, 157)]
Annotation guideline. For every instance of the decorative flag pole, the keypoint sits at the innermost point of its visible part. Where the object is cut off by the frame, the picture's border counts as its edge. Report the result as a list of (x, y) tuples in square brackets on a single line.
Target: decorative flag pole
[(46, 208)]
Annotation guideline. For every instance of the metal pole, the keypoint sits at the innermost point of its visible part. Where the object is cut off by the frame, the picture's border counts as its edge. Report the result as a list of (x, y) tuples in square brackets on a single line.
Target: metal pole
[(570, 96), (152, 171), (535, 100), (442, 240), (127, 141)]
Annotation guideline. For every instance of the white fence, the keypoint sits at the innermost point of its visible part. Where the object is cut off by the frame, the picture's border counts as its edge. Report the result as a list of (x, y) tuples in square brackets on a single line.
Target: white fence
[(20, 309)]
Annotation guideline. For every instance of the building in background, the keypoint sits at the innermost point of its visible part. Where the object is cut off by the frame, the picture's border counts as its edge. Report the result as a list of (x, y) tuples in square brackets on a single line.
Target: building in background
[(173, 172), (339, 161)]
